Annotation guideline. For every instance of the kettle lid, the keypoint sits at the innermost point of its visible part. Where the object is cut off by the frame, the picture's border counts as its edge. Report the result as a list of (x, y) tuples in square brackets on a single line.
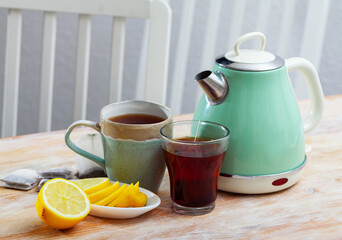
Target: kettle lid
[(250, 59)]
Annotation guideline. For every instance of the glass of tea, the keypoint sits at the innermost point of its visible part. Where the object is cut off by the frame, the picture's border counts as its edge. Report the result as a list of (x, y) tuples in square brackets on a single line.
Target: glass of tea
[(194, 153)]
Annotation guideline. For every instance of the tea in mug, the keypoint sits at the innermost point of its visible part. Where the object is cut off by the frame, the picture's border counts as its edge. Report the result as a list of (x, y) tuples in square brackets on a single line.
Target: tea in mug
[(137, 118)]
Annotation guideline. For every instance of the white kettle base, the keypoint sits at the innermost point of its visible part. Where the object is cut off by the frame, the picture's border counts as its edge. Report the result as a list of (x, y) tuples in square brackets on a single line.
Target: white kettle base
[(261, 183)]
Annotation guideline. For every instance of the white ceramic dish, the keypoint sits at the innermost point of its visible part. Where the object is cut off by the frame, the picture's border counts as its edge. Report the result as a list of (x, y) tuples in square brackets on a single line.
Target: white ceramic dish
[(153, 201)]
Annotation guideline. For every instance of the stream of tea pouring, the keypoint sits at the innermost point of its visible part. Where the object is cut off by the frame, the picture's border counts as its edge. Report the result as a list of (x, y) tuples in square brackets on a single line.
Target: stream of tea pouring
[(198, 125)]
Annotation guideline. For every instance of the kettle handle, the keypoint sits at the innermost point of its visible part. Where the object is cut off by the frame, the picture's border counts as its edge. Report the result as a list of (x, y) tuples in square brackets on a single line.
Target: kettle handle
[(314, 88)]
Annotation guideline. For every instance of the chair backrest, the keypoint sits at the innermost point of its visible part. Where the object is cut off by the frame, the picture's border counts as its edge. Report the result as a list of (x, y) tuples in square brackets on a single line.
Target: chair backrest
[(157, 12)]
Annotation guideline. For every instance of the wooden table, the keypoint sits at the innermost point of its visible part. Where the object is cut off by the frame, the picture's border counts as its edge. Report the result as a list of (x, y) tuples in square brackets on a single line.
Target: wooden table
[(311, 209)]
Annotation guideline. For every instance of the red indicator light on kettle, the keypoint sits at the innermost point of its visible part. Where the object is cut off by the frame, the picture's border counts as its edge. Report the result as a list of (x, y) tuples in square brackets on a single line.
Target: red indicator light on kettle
[(280, 182)]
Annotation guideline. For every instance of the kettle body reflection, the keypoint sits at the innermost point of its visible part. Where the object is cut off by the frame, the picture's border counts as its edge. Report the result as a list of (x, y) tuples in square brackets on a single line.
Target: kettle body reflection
[(250, 93)]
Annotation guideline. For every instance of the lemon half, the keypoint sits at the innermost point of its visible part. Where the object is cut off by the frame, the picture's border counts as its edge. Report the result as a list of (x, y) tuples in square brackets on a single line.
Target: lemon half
[(62, 204)]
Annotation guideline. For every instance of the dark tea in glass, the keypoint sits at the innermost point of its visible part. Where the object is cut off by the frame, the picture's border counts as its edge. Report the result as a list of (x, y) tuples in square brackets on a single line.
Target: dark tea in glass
[(194, 179), (194, 154)]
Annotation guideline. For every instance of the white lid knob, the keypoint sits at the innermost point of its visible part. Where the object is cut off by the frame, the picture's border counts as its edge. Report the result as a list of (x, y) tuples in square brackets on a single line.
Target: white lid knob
[(250, 55)]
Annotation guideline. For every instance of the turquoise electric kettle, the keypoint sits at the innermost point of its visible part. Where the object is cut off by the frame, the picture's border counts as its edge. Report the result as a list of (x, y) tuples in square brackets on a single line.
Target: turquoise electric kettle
[(250, 93)]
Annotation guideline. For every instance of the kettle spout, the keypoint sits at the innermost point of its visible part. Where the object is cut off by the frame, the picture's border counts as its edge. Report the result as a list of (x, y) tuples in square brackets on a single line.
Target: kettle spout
[(214, 84)]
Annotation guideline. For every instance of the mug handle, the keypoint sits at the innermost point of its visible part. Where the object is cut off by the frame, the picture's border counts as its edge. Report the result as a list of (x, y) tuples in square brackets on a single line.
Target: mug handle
[(78, 150), (314, 87)]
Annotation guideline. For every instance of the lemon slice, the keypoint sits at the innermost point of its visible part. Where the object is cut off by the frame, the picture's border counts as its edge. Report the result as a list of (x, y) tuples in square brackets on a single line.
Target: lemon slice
[(130, 198), (92, 185), (122, 196), (95, 197), (62, 204), (135, 188), (112, 196)]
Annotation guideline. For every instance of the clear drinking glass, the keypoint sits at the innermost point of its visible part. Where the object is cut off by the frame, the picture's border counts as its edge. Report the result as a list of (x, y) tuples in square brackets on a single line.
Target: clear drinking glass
[(194, 153)]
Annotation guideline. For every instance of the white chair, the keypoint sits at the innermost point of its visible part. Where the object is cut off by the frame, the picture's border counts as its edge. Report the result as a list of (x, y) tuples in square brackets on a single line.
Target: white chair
[(157, 11)]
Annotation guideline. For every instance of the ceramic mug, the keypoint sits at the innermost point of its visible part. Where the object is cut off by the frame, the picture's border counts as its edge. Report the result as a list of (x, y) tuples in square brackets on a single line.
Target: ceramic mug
[(132, 152)]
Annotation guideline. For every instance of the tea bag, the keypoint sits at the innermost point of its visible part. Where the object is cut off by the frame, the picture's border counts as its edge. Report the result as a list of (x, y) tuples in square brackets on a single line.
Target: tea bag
[(22, 179), (62, 172), (41, 183), (86, 168), (46, 175)]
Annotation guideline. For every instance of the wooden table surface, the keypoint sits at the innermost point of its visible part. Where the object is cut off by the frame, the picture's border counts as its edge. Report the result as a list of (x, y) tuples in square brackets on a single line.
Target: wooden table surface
[(311, 209)]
